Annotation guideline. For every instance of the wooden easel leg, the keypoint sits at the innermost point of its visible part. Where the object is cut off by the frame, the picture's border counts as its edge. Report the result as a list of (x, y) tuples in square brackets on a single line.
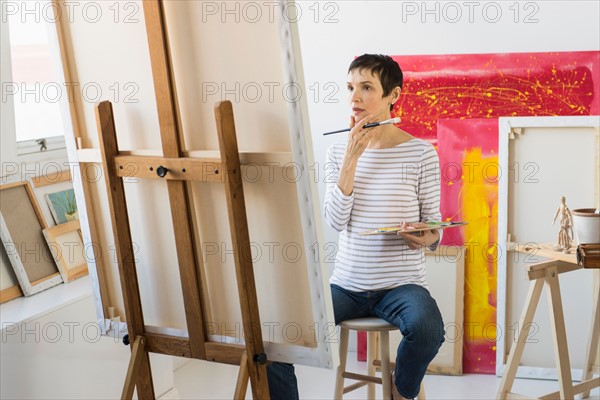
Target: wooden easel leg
[(240, 238), (242, 380), (559, 334), (125, 254), (139, 364), (592, 347), (516, 351)]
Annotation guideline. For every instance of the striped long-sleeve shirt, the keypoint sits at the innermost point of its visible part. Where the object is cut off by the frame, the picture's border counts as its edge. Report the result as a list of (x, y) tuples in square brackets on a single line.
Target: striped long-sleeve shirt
[(391, 185)]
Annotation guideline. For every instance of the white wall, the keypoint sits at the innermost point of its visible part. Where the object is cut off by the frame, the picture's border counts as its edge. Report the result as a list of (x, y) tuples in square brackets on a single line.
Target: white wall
[(346, 29)]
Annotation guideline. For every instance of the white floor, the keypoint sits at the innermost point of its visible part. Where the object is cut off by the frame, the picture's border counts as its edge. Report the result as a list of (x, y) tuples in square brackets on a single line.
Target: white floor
[(202, 380)]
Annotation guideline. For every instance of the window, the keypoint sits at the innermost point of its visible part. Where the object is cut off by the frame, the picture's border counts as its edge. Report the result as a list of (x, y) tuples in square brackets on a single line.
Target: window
[(33, 87)]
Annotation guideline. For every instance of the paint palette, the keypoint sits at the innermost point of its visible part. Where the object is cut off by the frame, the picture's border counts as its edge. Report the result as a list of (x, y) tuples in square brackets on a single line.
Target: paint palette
[(409, 229)]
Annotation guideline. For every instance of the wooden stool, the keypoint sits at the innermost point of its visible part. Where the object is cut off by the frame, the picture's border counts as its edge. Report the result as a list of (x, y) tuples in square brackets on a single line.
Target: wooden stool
[(375, 327)]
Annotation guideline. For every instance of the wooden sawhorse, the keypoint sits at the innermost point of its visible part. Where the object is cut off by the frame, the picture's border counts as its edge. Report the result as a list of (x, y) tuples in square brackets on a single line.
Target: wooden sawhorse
[(546, 274)]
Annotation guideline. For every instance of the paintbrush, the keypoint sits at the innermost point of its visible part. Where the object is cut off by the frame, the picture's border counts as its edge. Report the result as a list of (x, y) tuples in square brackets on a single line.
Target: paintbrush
[(371, 125)]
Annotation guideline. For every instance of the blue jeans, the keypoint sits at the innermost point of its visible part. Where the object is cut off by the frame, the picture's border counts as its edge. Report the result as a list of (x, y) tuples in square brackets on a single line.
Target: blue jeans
[(412, 309), (282, 381), (409, 307)]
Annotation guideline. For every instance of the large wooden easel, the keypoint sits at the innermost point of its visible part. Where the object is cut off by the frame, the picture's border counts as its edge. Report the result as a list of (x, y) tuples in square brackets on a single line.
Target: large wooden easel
[(178, 171)]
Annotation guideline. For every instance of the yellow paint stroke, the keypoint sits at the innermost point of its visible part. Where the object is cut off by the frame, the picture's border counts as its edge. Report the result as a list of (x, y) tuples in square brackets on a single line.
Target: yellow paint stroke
[(479, 204)]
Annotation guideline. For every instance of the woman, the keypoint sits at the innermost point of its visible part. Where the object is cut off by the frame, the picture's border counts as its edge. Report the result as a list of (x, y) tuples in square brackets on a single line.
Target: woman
[(384, 176)]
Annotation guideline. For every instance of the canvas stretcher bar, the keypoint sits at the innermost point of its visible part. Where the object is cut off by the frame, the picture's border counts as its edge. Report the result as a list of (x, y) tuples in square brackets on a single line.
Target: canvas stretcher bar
[(72, 133)]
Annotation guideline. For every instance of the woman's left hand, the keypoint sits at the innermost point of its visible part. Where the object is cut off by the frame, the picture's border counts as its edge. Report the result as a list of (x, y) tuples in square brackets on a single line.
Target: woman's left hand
[(418, 239)]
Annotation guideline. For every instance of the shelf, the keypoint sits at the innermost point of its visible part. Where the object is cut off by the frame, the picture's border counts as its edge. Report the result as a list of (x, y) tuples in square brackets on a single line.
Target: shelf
[(23, 309)]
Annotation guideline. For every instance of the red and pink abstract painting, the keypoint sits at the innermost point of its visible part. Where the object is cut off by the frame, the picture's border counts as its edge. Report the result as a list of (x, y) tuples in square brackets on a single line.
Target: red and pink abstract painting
[(455, 101)]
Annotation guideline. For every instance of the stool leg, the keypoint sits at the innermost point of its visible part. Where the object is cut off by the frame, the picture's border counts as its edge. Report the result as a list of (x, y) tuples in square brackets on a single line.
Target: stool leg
[(339, 379), (386, 374), (371, 356), (421, 395)]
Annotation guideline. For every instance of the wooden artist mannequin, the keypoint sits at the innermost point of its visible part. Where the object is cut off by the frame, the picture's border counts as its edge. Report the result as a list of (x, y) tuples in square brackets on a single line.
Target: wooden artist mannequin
[(565, 235)]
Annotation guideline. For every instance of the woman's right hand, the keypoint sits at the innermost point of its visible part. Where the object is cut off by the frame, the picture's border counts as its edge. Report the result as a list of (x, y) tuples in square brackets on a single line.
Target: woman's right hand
[(359, 138)]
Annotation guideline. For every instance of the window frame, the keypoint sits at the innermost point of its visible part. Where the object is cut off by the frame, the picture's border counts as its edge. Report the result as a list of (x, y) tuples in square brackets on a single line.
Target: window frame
[(30, 149)]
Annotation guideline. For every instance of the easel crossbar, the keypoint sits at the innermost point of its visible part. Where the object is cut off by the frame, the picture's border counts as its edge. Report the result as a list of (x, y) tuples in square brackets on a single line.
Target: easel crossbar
[(225, 353), (181, 169)]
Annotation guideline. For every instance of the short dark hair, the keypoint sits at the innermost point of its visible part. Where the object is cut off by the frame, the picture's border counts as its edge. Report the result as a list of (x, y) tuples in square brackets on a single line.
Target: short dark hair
[(389, 72)]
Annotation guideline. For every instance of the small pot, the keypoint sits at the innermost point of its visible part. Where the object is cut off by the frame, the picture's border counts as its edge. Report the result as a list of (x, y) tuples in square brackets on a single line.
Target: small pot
[(586, 224)]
